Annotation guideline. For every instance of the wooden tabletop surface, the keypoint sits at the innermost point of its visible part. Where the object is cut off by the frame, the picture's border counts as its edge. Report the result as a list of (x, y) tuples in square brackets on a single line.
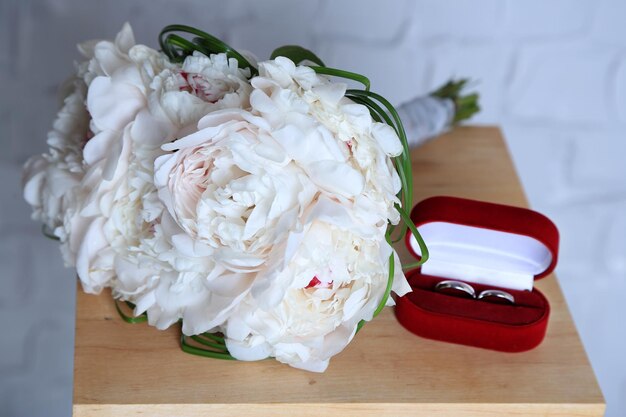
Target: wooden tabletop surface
[(133, 369)]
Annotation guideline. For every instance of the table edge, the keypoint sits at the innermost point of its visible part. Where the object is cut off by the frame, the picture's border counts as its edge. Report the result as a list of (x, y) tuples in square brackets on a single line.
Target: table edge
[(343, 409)]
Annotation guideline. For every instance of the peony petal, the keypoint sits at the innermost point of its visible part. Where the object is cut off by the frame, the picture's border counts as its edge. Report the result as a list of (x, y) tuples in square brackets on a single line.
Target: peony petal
[(93, 242), (125, 39), (107, 58), (188, 247), (209, 314), (230, 284), (163, 166), (99, 147), (237, 330), (400, 284), (257, 219), (237, 261), (144, 302), (262, 103), (336, 177), (33, 179), (205, 135), (117, 160), (151, 130), (113, 105), (354, 303), (330, 93), (387, 139), (244, 352)]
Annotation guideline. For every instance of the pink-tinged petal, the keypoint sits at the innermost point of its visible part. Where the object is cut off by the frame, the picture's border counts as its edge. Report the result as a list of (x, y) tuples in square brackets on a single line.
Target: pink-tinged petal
[(194, 139), (237, 261)]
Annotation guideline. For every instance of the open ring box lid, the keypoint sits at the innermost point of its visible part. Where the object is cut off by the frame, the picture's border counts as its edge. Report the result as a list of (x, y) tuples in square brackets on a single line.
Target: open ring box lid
[(489, 246)]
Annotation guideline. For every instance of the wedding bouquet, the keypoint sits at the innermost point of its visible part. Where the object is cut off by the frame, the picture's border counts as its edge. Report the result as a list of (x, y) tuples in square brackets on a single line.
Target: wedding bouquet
[(252, 202)]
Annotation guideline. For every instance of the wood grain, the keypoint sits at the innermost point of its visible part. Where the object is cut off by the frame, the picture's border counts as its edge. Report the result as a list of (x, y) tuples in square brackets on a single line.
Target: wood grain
[(124, 369)]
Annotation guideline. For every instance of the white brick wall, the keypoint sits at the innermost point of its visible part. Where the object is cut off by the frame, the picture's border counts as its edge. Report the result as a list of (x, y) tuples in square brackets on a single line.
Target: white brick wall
[(553, 74)]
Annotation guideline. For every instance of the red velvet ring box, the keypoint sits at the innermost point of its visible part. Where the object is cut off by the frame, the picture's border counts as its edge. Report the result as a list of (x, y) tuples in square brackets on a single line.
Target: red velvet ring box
[(489, 246)]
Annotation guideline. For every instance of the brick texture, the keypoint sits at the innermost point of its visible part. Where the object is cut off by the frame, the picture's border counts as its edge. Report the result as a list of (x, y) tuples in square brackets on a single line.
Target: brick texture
[(540, 19)]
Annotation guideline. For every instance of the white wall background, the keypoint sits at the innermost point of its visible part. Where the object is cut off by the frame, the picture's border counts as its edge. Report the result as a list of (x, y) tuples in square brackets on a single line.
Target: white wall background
[(551, 73)]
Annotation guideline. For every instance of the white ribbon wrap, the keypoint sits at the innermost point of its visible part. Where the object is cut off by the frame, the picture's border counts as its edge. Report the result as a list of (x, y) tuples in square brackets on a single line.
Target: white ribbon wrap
[(426, 117)]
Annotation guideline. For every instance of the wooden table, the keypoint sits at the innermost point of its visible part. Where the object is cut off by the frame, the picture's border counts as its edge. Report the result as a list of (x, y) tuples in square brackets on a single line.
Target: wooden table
[(122, 369)]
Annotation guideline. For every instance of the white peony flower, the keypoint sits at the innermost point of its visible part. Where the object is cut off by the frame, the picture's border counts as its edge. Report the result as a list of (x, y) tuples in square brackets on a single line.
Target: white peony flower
[(283, 89), (128, 244), (254, 207), (232, 188), (131, 96), (331, 279), (241, 184), (117, 94), (54, 184), (199, 86), (169, 282), (51, 180)]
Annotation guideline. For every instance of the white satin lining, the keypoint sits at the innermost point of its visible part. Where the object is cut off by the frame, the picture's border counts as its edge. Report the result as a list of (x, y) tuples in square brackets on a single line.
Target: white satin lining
[(483, 256)]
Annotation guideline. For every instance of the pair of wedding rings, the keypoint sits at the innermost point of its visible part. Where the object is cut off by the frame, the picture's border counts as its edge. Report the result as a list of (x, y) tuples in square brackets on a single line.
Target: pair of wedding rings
[(465, 288)]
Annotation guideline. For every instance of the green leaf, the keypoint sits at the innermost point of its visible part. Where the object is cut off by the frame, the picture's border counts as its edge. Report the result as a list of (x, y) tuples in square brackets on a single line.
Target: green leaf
[(465, 106), (203, 351), (177, 48), (418, 237), (128, 318), (383, 111), (217, 346), (297, 54), (214, 337), (343, 74)]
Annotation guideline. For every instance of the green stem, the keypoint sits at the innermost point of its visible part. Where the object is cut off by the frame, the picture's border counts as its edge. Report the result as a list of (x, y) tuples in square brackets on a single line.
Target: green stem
[(203, 42), (213, 337), (194, 350), (221, 348), (418, 237), (343, 74), (465, 106), (129, 319)]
